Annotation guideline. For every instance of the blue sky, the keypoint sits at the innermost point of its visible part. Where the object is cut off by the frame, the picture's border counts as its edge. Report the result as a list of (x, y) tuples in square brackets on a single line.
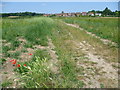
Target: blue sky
[(57, 7)]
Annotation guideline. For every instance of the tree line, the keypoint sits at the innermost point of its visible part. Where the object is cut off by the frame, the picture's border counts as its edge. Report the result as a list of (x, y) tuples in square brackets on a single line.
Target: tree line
[(107, 12), (21, 14)]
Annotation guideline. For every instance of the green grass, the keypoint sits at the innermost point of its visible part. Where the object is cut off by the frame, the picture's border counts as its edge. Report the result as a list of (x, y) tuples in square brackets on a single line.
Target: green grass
[(28, 45), (102, 85), (106, 28), (6, 83), (41, 54), (15, 55), (2, 61), (16, 43), (5, 49), (24, 50), (12, 55), (65, 52), (36, 31), (35, 74)]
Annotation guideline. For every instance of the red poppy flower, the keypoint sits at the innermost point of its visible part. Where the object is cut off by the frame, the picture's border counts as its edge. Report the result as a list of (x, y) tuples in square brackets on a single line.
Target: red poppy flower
[(30, 54), (14, 62), (18, 65), (25, 65)]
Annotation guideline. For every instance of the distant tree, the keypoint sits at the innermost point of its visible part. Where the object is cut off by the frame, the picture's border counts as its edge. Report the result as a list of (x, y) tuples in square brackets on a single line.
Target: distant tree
[(62, 11), (53, 15), (93, 11), (21, 14), (117, 13), (99, 11), (107, 12)]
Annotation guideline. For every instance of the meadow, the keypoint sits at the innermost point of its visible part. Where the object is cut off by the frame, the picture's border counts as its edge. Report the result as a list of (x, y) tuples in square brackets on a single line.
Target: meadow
[(106, 28), (50, 54)]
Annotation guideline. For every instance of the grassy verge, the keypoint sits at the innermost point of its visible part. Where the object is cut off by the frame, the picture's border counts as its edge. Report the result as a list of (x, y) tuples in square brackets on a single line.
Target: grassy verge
[(106, 28), (64, 50)]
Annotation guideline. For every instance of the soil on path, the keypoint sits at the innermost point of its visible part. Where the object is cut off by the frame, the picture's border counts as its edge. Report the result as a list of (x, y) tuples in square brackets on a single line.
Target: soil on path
[(97, 72)]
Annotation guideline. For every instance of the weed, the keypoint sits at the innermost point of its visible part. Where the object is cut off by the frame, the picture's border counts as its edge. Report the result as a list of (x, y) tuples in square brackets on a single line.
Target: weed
[(2, 61), (42, 54), (5, 72), (28, 45), (24, 50), (7, 54), (16, 43), (6, 83), (5, 49), (38, 75), (102, 85), (15, 55)]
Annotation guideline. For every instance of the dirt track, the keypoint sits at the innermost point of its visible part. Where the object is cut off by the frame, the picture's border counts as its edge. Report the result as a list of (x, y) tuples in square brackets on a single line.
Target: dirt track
[(99, 72)]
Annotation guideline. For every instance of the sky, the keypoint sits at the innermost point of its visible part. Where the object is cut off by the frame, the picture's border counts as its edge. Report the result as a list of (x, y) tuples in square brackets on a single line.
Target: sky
[(56, 7), (60, 0)]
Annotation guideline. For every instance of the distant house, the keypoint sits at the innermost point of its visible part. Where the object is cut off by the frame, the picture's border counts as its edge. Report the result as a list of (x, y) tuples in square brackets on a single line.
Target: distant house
[(78, 14), (46, 15), (91, 14), (69, 14), (84, 13), (72, 14), (59, 14), (98, 14), (64, 14)]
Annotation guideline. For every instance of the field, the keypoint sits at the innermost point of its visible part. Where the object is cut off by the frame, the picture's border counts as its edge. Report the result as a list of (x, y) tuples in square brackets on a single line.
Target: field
[(72, 52), (106, 28)]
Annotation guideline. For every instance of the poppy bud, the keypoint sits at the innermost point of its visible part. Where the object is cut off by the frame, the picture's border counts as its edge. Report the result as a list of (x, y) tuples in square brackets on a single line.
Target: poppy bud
[(25, 65), (18, 65), (30, 54)]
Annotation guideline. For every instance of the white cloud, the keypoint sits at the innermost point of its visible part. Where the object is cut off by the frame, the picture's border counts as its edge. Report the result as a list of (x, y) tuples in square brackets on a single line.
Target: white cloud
[(60, 0)]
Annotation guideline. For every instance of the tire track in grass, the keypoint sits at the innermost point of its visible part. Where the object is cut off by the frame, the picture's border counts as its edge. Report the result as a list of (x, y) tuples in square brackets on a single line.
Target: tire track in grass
[(64, 48), (53, 62), (103, 72), (105, 41), (97, 72)]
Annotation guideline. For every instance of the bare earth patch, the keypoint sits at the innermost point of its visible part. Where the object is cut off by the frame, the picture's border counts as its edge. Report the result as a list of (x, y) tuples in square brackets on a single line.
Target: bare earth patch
[(97, 70), (53, 62)]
